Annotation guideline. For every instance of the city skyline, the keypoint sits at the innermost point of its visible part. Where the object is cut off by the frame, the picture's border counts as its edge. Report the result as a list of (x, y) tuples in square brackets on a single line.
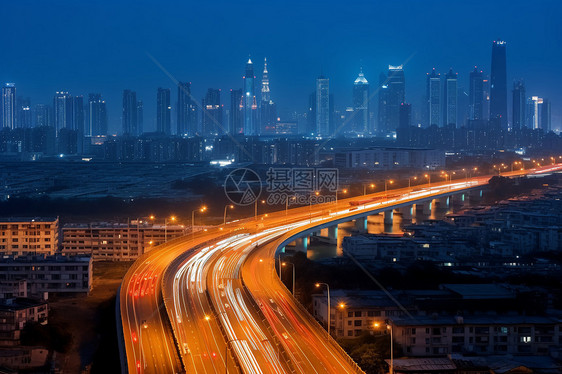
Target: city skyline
[(292, 76)]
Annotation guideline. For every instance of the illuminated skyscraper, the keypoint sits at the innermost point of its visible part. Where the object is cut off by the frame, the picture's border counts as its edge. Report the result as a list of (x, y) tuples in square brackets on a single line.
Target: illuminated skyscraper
[(43, 115), (433, 94), (476, 96), (212, 113), (545, 116), (268, 112), (396, 83), (163, 111), (519, 105), (129, 118), (450, 96), (360, 123), (249, 100), (186, 110), (97, 114), (63, 110), (382, 118), (323, 107), (235, 119), (498, 89), (9, 106)]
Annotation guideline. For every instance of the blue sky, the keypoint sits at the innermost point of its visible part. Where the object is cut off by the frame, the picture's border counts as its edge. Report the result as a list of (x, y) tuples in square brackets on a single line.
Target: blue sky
[(102, 46)]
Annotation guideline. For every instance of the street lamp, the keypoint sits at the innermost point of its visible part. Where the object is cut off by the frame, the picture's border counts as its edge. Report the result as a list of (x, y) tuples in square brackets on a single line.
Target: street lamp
[(256, 209), (344, 191), (329, 308), (389, 328), (202, 210), (386, 186), (225, 209), (173, 219), (293, 265), (410, 181), (372, 185), (428, 177)]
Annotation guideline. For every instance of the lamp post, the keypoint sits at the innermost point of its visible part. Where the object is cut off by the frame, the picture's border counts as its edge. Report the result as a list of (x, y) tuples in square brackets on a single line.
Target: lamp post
[(256, 208), (225, 209), (428, 177), (293, 265), (410, 181), (329, 307), (202, 209), (173, 219), (389, 328), (372, 185), (386, 186)]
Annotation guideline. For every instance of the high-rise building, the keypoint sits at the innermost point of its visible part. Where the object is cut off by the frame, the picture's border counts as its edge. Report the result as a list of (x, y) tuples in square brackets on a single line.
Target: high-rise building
[(382, 118), (235, 119), (405, 116), (535, 106), (249, 99), (268, 110), (186, 110), (24, 117), (163, 110), (97, 115), (43, 115), (140, 117), (360, 123), (498, 88), (451, 101), (63, 105), (129, 118), (323, 107), (476, 96), (396, 95), (519, 105), (212, 113), (433, 94), (9, 106), (78, 114), (545, 116)]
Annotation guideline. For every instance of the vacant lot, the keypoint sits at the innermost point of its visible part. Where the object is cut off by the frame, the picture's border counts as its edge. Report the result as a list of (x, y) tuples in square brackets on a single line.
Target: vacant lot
[(91, 320)]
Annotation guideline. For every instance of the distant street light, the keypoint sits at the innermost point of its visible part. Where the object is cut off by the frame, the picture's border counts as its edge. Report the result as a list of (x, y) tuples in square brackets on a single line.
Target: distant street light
[(328, 288), (225, 209), (293, 265)]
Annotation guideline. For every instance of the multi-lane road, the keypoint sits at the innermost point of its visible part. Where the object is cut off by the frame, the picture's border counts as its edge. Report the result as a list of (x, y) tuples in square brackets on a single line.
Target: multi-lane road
[(212, 302)]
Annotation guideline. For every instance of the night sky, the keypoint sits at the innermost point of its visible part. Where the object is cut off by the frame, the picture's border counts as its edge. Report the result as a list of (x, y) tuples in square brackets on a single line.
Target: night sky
[(103, 46)]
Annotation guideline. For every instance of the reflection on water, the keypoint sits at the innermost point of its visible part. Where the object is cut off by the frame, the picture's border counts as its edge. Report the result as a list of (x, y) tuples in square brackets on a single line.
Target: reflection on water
[(318, 250)]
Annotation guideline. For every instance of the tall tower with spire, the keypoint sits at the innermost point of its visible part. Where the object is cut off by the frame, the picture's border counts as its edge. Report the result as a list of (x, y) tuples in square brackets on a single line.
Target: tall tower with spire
[(360, 104), (268, 110), (249, 99)]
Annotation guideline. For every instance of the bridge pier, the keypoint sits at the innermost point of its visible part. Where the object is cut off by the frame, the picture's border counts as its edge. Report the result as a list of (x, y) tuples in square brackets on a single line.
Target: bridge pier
[(361, 224), (333, 233), (301, 244), (406, 212)]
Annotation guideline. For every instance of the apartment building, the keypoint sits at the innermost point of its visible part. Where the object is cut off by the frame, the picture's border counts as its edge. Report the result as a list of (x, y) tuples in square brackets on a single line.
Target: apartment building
[(21, 236), (15, 313)]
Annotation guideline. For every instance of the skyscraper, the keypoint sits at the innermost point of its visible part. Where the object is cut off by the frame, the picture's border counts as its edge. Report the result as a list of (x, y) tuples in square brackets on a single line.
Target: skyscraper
[(212, 113), (433, 93), (268, 110), (97, 115), (323, 107), (43, 115), (250, 104), (235, 120), (476, 96), (451, 101), (129, 118), (382, 118), (498, 90), (519, 105), (545, 116), (63, 111), (163, 110), (186, 110), (360, 123), (535, 106), (396, 95), (9, 106), (140, 117), (24, 118)]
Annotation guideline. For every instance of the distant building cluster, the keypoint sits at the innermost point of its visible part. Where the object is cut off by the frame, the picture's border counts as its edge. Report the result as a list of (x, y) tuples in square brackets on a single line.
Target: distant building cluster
[(452, 116)]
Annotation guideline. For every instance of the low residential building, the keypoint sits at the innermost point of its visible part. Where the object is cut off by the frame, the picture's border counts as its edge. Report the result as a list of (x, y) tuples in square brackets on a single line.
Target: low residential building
[(116, 241), (23, 358), (10, 289), (15, 313), (20, 236), (49, 274)]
